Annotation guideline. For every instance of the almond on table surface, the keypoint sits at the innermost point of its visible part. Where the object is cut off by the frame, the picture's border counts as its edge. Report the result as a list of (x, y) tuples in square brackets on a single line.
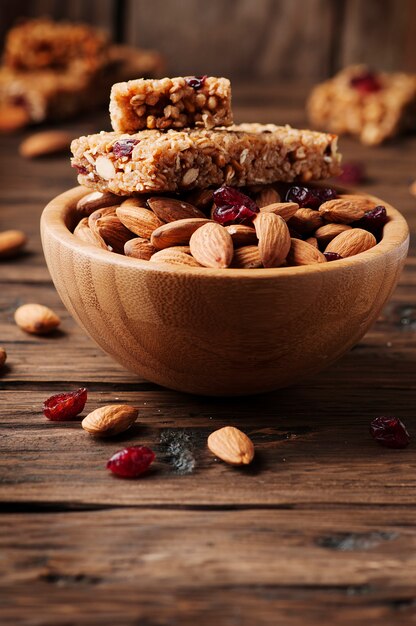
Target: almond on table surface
[(110, 420), (36, 319), (11, 242), (3, 357), (45, 142), (231, 445)]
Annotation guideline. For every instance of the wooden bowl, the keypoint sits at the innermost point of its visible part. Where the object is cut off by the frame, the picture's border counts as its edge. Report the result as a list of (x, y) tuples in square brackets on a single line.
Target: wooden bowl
[(220, 332)]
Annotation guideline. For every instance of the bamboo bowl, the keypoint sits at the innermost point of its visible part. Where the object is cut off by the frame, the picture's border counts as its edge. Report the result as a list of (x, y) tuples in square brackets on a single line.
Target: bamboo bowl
[(220, 332)]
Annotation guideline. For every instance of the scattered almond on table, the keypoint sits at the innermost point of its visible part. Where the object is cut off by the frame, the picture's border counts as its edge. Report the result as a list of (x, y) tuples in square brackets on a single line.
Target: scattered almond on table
[(36, 319), (110, 420), (44, 143), (3, 357), (231, 445), (11, 243)]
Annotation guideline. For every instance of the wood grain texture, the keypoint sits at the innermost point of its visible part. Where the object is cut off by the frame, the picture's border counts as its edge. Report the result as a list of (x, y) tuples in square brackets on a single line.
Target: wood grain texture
[(326, 517)]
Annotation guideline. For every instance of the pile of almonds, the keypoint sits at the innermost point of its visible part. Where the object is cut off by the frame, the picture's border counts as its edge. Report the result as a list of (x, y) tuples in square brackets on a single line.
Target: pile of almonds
[(203, 229)]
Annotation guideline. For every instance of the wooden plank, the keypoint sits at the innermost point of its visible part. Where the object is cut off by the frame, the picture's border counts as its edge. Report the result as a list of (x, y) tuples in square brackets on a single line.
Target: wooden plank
[(250, 567), (245, 39)]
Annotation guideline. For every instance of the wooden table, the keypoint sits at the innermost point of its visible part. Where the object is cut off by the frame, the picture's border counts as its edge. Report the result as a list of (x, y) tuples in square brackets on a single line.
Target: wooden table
[(321, 527)]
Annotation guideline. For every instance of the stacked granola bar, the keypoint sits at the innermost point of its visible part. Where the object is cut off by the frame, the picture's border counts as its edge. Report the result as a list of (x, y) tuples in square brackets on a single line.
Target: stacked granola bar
[(177, 134), (54, 70)]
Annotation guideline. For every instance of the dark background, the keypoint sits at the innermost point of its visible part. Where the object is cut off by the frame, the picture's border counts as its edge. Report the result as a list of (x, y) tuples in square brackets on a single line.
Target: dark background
[(268, 39)]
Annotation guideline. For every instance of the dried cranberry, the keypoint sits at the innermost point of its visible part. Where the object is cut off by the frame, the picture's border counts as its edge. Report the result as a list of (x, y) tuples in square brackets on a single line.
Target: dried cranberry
[(65, 406), (131, 462), (196, 82), (310, 197), (124, 147), (365, 83), (353, 173), (233, 207), (373, 220), (80, 169), (332, 256), (390, 432)]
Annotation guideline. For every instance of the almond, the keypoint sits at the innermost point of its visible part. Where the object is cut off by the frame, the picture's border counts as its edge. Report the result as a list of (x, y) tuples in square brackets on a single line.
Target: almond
[(274, 238), (313, 241), (247, 257), (139, 248), (351, 242), (12, 118), (114, 233), (305, 221), (110, 420), (140, 221), (36, 319), (362, 201), (176, 233), (302, 253), (267, 196), (96, 200), (327, 232), (84, 232), (201, 198), (231, 445), (174, 256), (342, 211), (170, 209), (11, 242), (99, 213), (242, 235), (3, 357), (136, 201), (284, 209), (45, 142), (212, 246)]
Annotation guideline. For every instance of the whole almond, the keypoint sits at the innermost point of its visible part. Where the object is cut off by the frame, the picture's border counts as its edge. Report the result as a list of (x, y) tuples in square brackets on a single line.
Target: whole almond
[(247, 257), (84, 232), (174, 256), (3, 357), (305, 221), (136, 201), (36, 319), (114, 233), (342, 211), (324, 234), (170, 209), (11, 242), (362, 201), (303, 253), (110, 420), (351, 242), (13, 117), (96, 200), (201, 198), (274, 238), (242, 235), (139, 248), (176, 233), (99, 213), (268, 195), (45, 142), (212, 246), (231, 445), (140, 221), (313, 241), (284, 209)]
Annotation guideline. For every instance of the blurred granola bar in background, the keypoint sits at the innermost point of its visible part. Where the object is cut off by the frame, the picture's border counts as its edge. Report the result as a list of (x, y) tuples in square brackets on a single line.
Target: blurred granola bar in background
[(53, 70), (374, 106)]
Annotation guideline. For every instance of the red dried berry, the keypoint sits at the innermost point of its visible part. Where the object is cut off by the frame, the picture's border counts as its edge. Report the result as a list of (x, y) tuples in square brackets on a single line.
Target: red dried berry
[(131, 462), (124, 147), (233, 207), (353, 173), (373, 220), (65, 406), (332, 256), (366, 83), (196, 82), (310, 197), (389, 432), (80, 169)]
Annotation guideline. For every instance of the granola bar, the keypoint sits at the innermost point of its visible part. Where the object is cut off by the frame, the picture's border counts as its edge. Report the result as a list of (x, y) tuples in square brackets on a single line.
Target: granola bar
[(247, 154), (170, 103), (41, 43), (372, 106)]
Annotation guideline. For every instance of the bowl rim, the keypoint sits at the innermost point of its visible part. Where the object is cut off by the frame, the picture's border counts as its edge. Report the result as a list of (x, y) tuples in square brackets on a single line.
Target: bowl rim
[(56, 214)]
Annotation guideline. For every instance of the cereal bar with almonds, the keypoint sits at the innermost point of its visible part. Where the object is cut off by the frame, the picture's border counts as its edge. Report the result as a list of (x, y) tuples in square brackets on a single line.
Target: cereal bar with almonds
[(247, 154), (170, 103), (375, 106)]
